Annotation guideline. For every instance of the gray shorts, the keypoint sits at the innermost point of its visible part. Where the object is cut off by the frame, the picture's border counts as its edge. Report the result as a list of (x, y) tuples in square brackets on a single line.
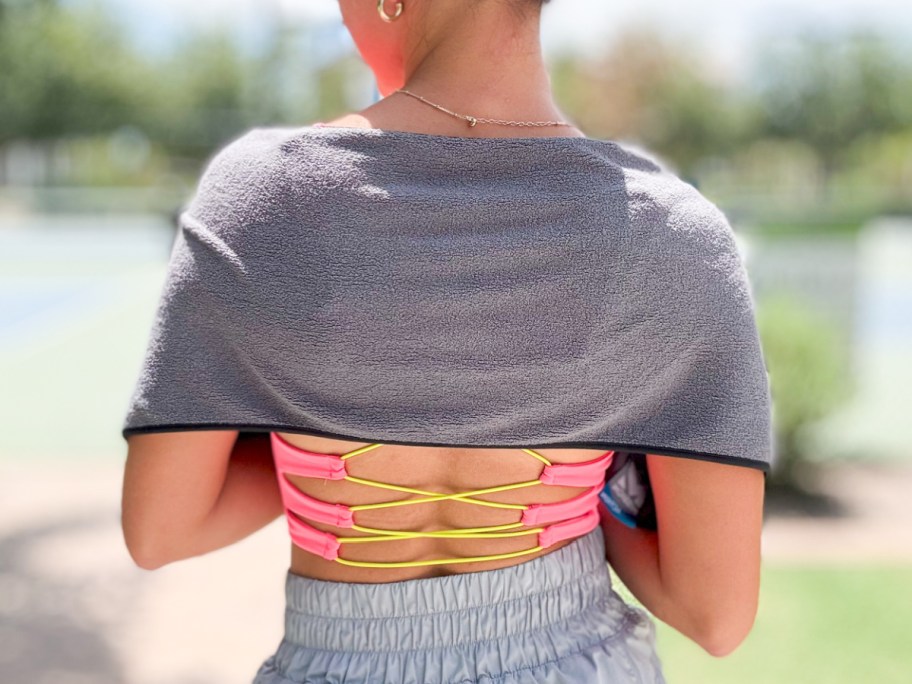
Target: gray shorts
[(555, 618)]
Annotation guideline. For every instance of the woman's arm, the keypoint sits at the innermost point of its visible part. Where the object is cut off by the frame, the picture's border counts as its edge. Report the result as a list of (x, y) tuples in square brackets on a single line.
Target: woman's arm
[(188, 493), (700, 572)]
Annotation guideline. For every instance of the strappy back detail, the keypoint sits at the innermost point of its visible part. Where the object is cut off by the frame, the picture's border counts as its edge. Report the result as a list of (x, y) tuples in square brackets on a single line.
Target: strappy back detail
[(552, 522)]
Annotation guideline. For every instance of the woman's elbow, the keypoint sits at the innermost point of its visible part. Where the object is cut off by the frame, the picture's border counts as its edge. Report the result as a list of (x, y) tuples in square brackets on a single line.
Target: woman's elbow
[(145, 549), (144, 555), (722, 637), (147, 562)]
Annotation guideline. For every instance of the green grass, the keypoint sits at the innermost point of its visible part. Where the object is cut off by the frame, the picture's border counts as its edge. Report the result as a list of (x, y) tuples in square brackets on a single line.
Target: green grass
[(815, 625)]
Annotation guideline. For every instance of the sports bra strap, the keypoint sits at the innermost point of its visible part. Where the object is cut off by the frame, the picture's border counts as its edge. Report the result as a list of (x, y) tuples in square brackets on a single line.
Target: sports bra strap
[(586, 474), (338, 515), (541, 513), (298, 461)]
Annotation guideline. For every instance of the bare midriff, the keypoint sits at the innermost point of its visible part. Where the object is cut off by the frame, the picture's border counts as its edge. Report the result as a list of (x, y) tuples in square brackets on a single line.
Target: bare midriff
[(439, 469)]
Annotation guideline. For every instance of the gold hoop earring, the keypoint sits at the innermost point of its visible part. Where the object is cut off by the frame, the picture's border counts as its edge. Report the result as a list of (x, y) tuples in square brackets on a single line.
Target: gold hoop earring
[(383, 15)]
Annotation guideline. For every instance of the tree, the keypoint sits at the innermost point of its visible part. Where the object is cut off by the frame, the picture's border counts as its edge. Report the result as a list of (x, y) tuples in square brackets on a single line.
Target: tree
[(660, 93), (831, 90), (63, 71)]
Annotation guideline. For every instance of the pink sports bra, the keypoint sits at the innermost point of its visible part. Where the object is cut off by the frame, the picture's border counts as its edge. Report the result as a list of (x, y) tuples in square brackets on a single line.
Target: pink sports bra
[(552, 522)]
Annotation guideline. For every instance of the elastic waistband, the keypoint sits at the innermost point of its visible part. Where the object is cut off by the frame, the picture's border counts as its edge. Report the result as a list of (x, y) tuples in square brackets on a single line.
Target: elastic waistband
[(458, 609)]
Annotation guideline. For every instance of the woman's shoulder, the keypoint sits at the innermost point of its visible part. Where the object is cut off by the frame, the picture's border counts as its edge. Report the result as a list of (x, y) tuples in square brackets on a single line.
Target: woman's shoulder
[(270, 166), (257, 148), (251, 174)]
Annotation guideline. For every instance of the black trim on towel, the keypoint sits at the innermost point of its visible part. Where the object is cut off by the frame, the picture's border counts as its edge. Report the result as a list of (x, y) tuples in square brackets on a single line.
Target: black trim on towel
[(763, 466)]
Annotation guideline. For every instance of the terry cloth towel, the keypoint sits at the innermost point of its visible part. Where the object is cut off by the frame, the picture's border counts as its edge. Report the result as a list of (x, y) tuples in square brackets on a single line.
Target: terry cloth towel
[(406, 288)]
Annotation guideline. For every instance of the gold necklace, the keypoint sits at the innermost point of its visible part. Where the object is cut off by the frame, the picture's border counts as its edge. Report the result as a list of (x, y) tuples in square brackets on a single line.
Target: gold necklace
[(472, 120)]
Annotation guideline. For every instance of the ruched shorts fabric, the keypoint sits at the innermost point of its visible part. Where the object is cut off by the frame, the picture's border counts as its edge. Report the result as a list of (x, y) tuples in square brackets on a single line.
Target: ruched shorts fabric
[(550, 620)]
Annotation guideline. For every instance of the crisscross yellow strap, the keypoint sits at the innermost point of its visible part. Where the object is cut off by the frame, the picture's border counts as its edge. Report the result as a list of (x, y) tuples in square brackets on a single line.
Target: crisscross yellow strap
[(489, 532)]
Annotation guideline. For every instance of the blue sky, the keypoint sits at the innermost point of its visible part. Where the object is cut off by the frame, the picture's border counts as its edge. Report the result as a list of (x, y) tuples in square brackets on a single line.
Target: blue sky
[(726, 30)]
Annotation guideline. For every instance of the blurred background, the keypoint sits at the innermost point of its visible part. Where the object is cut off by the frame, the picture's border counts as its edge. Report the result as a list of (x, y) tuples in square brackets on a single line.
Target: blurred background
[(795, 119)]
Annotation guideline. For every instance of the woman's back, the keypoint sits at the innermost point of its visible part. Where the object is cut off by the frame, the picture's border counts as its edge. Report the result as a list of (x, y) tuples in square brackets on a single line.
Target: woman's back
[(369, 285), (446, 470)]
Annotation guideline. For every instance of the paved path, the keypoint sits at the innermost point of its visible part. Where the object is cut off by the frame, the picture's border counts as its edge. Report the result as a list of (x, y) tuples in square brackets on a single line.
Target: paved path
[(75, 610), (872, 524)]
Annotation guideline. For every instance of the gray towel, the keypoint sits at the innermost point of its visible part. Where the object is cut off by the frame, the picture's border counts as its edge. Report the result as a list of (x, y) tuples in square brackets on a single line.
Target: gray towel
[(396, 287)]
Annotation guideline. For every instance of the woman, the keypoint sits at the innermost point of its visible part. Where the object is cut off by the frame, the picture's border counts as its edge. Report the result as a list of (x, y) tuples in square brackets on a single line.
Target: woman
[(454, 298)]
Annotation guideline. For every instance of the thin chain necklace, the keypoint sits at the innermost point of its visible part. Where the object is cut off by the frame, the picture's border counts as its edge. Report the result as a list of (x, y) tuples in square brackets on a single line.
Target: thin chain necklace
[(472, 120)]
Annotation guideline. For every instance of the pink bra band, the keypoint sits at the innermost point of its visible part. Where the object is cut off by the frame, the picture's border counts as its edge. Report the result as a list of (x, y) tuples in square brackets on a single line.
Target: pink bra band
[(304, 463), (340, 515), (326, 544)]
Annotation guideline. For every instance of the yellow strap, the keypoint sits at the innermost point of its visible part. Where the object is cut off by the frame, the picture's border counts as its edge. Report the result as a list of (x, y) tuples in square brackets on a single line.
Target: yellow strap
[(489, 532), (437, 561), (434, 496), (407, 534)]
